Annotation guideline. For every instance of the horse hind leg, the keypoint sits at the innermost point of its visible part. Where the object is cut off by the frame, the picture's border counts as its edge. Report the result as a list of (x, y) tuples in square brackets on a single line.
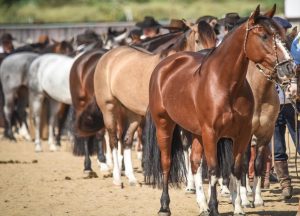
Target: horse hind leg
[(134, 121), (8, 112), (36, 102), (101, 159), (196, 168)]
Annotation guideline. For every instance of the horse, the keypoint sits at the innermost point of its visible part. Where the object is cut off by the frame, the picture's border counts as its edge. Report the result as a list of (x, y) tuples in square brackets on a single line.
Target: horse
[(14, 79), (49, 74), (121, 80), (88, 121), (210, 97), (115, 38)]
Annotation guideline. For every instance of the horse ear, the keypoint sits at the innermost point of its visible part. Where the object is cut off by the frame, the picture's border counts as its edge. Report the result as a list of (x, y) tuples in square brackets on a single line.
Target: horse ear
[(254, 15), (271, 12), (188, 24)]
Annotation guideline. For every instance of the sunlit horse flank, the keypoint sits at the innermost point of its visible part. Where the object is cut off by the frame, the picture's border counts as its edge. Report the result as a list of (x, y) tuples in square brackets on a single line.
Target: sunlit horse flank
[(121, 80), (14, 79), (210, 97)]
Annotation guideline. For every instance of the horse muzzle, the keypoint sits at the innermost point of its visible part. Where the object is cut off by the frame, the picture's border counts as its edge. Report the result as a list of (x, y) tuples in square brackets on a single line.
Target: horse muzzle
[(286, 71)]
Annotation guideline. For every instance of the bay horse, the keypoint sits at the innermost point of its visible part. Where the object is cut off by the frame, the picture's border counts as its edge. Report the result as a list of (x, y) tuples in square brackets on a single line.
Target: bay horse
[(88, 120), (121, 80), (210, 97), (14, 80)]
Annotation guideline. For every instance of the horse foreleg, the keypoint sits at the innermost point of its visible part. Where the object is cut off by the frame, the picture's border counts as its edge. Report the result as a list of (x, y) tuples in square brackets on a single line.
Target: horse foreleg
[(259, 168), (210, 148), (245, 201), (196, 168), (190, 187)]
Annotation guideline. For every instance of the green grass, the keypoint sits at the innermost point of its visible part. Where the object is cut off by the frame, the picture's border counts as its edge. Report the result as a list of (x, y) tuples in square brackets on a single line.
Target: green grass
[(29, 11)]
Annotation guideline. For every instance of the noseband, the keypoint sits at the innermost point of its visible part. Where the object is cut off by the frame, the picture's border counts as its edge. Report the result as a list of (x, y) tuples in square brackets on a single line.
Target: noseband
[(276, 39)]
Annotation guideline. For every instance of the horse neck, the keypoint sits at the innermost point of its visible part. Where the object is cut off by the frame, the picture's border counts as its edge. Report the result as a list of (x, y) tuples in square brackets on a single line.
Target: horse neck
[(231, 60), (260, 85)]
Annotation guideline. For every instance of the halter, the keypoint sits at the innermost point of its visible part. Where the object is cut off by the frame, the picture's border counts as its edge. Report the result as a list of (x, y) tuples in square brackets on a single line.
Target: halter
[(276, 39)]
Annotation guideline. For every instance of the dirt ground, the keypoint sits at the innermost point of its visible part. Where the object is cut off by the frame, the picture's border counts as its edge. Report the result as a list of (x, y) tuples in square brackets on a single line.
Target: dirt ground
[(52, 184)]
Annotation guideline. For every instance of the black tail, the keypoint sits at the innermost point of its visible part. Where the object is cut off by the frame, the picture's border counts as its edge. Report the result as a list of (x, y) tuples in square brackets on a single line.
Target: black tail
[(78, 145), (225, 158), (151, 157), (90, 120)]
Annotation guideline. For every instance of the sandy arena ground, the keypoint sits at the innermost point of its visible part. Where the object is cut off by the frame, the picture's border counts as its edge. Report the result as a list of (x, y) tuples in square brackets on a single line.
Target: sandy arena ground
[(52, 184)]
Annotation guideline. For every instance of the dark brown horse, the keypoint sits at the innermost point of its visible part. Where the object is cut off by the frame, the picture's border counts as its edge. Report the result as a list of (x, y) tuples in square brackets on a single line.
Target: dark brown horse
[(210, 97), (88, 125)]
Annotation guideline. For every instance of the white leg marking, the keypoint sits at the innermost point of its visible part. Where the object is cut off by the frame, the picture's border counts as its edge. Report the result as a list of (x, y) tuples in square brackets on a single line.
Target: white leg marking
[(244, 197), (249, 190), (24, 132), (237, 199), (190, 188), (108, 154), (120, 156), (201, 199), (116, 169), (128, 167), (258, 201)]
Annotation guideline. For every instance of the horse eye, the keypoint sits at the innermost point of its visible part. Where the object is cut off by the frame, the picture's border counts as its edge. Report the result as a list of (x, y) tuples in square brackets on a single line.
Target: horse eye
[(197, 41), (264, 37)]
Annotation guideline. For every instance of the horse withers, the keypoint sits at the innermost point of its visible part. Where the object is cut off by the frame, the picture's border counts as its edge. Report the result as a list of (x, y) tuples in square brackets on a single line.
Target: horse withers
[(210, 97)]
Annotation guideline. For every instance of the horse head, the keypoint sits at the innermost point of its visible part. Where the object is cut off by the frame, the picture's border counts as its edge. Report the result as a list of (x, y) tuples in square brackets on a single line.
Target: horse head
[(63, 47), (199, 36), (263, 44)]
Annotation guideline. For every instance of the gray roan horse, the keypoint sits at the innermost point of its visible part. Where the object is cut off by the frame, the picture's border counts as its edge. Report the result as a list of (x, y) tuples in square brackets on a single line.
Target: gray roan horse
[(14, 79), (121, 80)]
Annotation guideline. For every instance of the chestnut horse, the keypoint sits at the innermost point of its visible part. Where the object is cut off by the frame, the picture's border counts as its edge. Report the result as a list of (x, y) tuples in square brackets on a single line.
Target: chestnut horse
[(121, 80), (210, 97)]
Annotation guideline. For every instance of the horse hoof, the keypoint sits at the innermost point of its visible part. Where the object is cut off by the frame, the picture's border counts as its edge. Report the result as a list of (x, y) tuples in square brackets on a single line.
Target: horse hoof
[(53, 148), (38, 148), (87, 174), (117, 182), (132, 182), (190, 191), (164, 213)]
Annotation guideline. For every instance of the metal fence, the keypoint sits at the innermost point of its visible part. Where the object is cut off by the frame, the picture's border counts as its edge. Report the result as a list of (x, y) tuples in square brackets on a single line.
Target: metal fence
[(28, 33)]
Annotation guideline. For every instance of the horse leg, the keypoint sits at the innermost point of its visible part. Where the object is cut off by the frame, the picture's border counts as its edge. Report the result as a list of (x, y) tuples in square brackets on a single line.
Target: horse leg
[(54, 109), (259, 168), (100, 154), (210, 149), (108, 154), (190, 188), (63, 114), (134, 121), (239, 147), (36, 103), (164, 135), (139, 145), (245, 201), (87, 160), (196, 168), (8, 111)]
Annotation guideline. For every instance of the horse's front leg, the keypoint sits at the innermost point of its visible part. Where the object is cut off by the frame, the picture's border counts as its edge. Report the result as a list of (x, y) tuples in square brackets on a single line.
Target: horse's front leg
[(240, 144), (210, 149), (100, 154), (196, 168)]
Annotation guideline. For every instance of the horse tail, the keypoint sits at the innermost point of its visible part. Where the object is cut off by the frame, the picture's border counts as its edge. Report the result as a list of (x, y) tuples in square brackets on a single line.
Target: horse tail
[(225, 158), (78, 141), (2, 117), (151, 157)]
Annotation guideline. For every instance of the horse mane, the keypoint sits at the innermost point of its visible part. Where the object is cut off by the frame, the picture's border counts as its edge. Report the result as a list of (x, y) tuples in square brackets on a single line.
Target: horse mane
[(266, 22), (161, 43)]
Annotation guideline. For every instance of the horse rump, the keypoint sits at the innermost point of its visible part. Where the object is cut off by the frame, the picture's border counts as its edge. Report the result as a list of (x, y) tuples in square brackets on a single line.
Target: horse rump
[(151, 157)]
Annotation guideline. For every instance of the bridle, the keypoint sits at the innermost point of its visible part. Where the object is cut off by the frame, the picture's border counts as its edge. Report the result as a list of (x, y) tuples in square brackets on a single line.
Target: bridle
[(276, 39)]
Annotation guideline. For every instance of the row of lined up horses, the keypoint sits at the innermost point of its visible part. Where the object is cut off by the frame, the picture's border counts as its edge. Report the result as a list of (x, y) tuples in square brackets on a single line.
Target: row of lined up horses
[(216, 98)]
